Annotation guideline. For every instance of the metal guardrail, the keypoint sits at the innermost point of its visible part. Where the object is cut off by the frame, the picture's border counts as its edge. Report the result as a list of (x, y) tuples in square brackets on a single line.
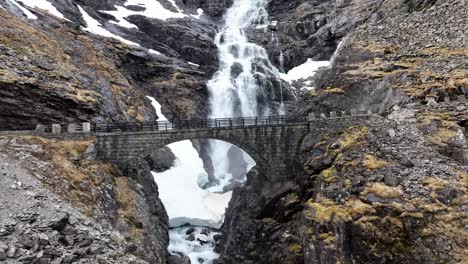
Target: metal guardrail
[(196, 124)]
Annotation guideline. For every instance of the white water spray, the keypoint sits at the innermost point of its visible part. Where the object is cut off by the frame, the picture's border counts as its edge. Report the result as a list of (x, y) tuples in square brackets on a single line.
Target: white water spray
[(239, 87)]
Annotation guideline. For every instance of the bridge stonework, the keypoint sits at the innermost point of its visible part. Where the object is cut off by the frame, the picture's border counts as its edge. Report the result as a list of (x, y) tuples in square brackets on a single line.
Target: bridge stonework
[(275, 148)]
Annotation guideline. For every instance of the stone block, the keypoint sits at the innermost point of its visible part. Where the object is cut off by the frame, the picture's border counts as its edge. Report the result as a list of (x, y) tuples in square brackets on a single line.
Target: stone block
[(369, 112), (86, 127), (332, 114), (461, 98), (56, 129), (323, 116), (71, 128), (40, 129)]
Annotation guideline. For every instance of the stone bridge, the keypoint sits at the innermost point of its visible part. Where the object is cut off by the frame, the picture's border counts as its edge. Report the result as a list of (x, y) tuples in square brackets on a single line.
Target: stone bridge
[(272, 142)]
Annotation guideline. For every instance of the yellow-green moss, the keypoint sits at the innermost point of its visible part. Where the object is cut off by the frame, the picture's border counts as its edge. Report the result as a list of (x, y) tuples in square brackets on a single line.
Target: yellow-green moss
[(383, 191), (353, 136), (326, 211), (329, 174), (435, 184), (373, 163)]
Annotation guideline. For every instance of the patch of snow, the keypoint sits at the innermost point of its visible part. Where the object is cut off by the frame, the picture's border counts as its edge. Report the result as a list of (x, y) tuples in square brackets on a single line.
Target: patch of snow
[(153, 9), (304, 71), (184, 200), (274, 23), (157, 105), (199, 12), (261, 27), (28, 13), (194, 64), (155, 52), (44, 5), (93, 26)]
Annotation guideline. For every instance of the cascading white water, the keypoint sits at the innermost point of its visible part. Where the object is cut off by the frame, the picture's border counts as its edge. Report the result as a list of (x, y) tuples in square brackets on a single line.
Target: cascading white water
[(236, 89)]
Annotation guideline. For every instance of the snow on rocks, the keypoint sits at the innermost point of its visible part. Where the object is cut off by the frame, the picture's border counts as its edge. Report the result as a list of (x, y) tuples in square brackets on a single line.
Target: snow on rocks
[(28, 13), (304, 71), (44, 5), (199, 13), (93, 26), (157, 107), (153, 9), (185, 201)]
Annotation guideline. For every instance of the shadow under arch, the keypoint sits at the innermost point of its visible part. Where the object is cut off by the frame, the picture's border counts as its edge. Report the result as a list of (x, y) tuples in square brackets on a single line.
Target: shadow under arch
[(261, 162)]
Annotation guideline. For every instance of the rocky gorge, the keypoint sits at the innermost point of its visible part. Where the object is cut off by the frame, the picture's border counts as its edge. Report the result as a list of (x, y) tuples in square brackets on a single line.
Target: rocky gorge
[(390, 189)]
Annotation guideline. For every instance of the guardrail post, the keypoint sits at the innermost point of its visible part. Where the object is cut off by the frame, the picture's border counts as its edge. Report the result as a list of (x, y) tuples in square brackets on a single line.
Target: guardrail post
[(323, 116), (86, 127), (56, 129), (40, 129), (332, 114), (71, 128)]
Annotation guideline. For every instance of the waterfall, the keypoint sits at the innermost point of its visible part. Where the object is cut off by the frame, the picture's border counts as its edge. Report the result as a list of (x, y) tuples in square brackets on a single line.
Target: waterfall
[(246, 80)]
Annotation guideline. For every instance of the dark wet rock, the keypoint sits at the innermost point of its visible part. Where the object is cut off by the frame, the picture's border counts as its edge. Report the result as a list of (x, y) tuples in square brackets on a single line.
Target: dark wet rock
[(237, 164), (161, 159), (190, 231), (190, 237), (175, 259)]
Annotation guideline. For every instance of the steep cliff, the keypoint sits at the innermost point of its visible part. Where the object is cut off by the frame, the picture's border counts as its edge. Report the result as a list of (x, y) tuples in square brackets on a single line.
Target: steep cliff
[(387, 191)]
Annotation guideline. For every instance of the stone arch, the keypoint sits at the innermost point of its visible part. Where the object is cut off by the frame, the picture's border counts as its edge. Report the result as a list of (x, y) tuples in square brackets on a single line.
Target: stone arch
[(261, 162)]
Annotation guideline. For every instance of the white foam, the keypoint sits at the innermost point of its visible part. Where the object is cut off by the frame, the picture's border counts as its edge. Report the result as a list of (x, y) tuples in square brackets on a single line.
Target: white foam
[(93, 26), (193, 249)]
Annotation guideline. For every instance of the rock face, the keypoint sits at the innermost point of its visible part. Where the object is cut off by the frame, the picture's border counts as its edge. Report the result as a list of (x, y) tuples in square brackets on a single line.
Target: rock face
[(376, 193), (390, 192)]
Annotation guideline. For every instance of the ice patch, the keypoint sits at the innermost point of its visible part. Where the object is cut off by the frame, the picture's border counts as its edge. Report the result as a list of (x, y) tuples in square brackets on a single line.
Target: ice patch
[(93, 26), (153, 9), (184, 200), (44, 5), (28, 13), (304, 71)]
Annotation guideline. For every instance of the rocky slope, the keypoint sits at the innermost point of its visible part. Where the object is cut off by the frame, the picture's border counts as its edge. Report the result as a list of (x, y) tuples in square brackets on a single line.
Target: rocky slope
[(59, 205)]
